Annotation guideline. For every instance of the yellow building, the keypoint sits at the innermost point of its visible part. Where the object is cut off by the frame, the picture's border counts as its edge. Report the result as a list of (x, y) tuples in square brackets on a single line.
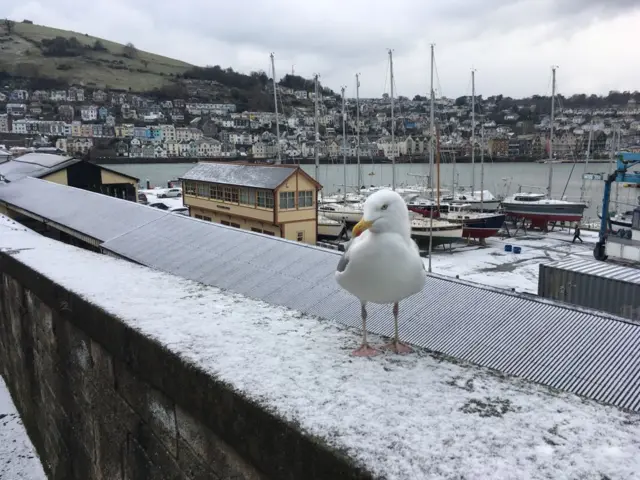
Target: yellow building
[(70, 171), (278, 200)]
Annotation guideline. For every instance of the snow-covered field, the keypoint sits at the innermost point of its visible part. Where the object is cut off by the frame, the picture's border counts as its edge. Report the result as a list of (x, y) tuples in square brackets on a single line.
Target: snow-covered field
[(18, 458), (492, 266), (415, 417)]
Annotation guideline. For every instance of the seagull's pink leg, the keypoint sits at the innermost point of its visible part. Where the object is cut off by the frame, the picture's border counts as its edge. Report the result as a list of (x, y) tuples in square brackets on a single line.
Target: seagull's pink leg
[(365, 349), (396, 346)]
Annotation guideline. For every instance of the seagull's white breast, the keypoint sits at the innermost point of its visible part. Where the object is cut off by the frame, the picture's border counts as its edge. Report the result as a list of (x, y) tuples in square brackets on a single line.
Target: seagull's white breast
[(383, 268)]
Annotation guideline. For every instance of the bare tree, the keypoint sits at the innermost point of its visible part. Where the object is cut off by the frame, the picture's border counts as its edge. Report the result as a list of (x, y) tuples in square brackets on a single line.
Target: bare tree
[(9, 25), (130, 50)]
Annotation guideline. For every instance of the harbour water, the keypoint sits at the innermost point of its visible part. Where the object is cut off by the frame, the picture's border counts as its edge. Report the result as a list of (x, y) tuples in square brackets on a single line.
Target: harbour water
[(500, 178)]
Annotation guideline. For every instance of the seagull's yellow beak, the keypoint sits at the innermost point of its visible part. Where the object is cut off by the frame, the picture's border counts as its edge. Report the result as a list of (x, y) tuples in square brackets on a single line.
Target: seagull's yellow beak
[(360, 227)]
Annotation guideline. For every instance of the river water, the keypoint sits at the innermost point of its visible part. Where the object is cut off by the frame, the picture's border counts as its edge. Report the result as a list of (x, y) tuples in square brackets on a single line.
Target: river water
[(499, 178)]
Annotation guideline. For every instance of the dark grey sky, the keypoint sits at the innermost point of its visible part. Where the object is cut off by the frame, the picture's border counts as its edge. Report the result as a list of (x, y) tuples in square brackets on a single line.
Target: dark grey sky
[(511, 43)]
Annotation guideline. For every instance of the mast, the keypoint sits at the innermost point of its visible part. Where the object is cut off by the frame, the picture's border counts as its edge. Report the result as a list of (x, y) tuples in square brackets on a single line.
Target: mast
[(473, 131), (616, 146), (482, 168), (431, 139), (275, 102), (344, 145), (553, 108), (438, 166), (586, 164), (358, 130), (393, 138), (316, 149)]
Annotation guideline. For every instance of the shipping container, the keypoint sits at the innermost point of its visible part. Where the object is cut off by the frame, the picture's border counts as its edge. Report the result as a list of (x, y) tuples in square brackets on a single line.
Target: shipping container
[(588, 283)]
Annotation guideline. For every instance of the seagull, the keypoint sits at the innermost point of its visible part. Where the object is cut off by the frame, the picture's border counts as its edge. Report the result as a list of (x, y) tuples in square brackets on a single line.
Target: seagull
[(382, 263)]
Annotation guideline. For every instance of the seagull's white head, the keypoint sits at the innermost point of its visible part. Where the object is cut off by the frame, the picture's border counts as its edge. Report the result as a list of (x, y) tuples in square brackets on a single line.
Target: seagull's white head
[(384, 211)]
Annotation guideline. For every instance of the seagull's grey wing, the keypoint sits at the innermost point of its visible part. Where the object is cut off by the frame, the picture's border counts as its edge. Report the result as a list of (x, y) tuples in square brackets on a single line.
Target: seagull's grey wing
[(344, 261)]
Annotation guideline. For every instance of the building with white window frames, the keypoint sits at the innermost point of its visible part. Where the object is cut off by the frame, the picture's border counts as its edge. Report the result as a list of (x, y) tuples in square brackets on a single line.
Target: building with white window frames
[(267, 199)]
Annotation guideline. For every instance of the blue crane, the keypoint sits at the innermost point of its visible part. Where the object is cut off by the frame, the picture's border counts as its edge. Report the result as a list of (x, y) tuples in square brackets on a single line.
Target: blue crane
[(624, 161)]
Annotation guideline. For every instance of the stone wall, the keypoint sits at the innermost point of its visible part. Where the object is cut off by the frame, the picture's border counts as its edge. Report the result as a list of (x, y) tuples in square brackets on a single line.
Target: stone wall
[(102, 401)]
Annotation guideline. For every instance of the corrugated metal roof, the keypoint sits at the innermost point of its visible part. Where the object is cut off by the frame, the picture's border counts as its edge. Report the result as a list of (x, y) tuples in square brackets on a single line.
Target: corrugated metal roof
[(34, 165), (600, 269), (257, 176), (93, 214), (579, 351)]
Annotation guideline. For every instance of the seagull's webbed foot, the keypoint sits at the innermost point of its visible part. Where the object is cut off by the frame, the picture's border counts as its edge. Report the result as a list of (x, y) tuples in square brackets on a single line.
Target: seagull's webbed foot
[(398, 347), (365, 350)]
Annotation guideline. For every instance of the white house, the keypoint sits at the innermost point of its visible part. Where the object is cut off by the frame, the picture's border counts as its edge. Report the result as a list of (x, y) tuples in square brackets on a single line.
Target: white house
[(89, 113)]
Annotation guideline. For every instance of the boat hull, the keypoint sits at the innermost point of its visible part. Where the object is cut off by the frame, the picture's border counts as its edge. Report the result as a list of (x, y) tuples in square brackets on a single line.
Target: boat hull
[(438, 240), (483, 227), (329, 231), (548, 212)]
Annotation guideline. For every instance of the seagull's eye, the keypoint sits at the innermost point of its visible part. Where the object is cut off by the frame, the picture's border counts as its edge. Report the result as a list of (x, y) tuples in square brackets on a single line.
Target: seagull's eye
[(384, 207)]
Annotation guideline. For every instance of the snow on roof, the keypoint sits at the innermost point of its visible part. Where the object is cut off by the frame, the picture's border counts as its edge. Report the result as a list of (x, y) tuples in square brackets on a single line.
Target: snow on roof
[(539, 340), (419, 416), (257, 176), (34, 165), (93, 214)]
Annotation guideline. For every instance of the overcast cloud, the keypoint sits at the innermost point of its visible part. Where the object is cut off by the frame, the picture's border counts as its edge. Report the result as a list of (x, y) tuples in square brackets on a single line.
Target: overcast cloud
[(511, 43)]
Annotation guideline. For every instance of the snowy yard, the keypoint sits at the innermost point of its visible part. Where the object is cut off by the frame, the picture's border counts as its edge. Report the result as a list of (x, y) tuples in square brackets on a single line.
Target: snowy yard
[(18, 458), (492, 266), (415, 417)]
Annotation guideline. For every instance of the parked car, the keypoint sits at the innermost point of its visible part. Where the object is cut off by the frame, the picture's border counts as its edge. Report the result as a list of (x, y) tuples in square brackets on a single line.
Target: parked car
[(159, 205), (180, 210), (142, 198), (171, 193)]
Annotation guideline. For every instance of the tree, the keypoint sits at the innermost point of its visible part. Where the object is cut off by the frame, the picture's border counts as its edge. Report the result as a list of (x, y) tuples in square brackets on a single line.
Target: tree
[(98, 46), (129, 50), (461, 101), (419, 98), (9, 25)]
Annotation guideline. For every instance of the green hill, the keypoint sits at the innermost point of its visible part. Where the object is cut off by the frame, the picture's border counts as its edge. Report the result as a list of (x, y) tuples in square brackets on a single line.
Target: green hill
[(28, 50)]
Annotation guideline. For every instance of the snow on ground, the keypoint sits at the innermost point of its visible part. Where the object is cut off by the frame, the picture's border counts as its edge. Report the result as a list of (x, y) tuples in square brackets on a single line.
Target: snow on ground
[(152, 197), (492, 266), (419, 416), (18, 458)]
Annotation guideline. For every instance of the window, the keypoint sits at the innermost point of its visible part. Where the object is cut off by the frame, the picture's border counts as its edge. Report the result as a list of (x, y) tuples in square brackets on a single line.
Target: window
[(199, 217), (264, 199), (301, 236), (203, 190), (267, 232), (190, 188), (287, 200), (257, 230), (230, 194), (224, 222), (236, 225), (208, 219), (305, 199), (215, 192), (247, 196)]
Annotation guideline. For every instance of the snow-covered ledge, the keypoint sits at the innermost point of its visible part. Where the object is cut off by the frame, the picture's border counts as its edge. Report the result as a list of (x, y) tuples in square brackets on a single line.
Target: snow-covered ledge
[(131, 369)]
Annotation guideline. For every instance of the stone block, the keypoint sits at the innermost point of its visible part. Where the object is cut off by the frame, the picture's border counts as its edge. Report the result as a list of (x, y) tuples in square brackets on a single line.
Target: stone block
[(152, 405), (220, 457)]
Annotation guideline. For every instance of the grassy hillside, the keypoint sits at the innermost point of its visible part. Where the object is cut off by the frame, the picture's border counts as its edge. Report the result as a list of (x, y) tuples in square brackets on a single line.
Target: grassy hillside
[(29, 50)]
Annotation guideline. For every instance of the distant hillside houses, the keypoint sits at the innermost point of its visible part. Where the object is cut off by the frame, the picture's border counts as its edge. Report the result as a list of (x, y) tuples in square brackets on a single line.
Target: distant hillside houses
[(79, 120)]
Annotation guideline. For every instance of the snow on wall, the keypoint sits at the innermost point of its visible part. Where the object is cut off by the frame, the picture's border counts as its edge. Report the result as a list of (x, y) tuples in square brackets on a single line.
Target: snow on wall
[(420, 416)]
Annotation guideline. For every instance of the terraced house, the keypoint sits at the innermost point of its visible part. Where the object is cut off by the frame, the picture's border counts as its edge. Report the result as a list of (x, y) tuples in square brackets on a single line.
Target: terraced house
[(273, 200)]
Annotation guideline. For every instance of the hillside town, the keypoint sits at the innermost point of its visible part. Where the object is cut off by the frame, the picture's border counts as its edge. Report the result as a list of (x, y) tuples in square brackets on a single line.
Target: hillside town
[(83, 122)]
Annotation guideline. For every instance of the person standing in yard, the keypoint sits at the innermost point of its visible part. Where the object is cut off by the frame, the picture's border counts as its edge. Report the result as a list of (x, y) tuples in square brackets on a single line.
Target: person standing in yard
[(576, 234)]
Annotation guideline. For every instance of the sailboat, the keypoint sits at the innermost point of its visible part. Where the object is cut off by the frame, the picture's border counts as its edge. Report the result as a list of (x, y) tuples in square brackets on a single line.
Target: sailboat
[(429, 231), (477, 225), (348, 211), (327, 228), (541, 208)]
